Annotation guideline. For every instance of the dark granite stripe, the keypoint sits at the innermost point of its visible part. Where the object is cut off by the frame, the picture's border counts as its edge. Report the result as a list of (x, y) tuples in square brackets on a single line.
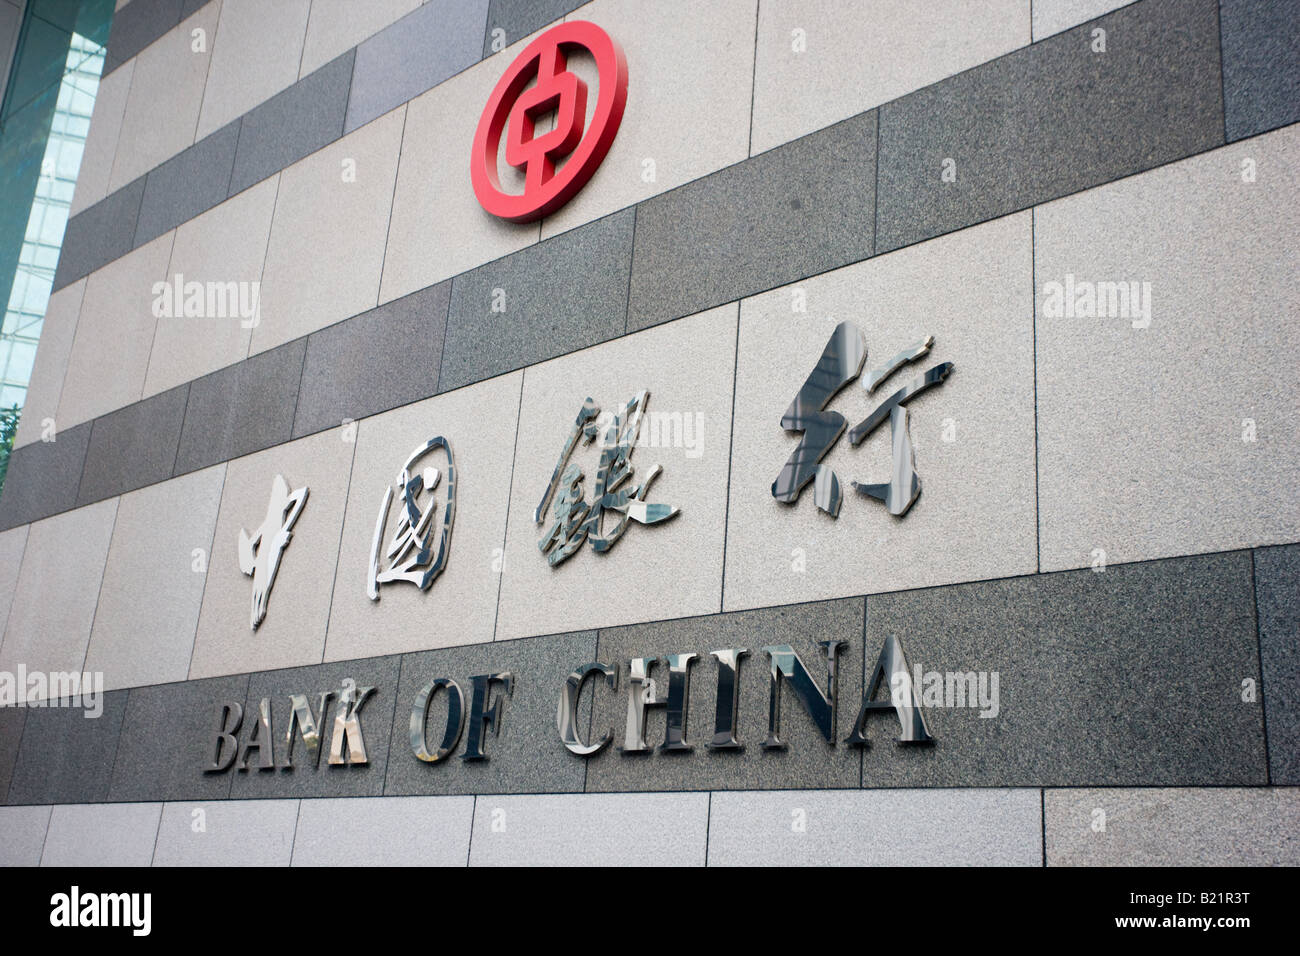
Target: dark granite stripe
[(1129, 677)]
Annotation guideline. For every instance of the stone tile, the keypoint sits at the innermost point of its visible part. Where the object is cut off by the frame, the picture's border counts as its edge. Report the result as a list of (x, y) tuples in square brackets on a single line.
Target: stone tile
[(104, 834), (480, 423), (234, 833), (190, 183), (795, 211), (12, 543), (12, 720), (384, 831), (851, 58), (1194, 827), (526, 756), (54, 603), (590, 830), (327, 239), (153, 581), (1277, 597), (808, 760), (42, 478), (971, 291), (335, 26), (255, 55), (168, 738), (1127, 677), (1053, 16), (168, 81), (661, 571), (242, 408), (321, 780), (295, 123), (115, 330), (1025, 129), (438, 228), (1123, 466), (24, 830), (133, 446), (224, 245), (690, 74), (67, 754), (100, 234), (558, 296), (293, 632), (518, 18), (372, 362), (1261, 65), (101, 141), (138, 25), (419, 51), (984, 827), (41, 404)]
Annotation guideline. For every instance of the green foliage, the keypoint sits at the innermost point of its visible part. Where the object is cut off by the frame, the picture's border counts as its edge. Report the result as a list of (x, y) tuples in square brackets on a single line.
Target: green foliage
[(8, 429)]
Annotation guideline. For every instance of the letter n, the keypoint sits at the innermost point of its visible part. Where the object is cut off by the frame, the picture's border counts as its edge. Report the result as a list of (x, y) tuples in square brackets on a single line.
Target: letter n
[(303, 723), (786, 665)]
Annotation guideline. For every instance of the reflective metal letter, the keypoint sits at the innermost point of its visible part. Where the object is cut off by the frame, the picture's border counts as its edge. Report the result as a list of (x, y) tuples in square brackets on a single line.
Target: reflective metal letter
[(679, 699), (904, 485), (302, 719), (821, 707), (891, 667), (227, 743), (566, 716), (728, 702), (921, 383), (420, 716), (584, 426), (259, 553), (641, 693), (911, 354), (574, 520), (410, 553), (347, 725), (840, 363), (483, 717), (260, 739)]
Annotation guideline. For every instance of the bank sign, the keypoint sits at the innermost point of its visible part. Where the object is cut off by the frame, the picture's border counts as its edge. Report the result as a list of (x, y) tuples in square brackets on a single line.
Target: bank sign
[(415, 515), (555, 163), (475, 711)]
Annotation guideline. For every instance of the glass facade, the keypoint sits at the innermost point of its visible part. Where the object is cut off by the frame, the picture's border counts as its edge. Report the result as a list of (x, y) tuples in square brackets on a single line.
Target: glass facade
[(47, 106)]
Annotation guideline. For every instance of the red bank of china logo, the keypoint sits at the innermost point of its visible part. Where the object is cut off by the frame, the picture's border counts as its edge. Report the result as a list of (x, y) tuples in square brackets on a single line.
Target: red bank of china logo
[(513, 109)]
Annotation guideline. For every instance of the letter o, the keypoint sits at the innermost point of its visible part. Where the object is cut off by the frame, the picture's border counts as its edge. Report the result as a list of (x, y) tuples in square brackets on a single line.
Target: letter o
[(420, 716)]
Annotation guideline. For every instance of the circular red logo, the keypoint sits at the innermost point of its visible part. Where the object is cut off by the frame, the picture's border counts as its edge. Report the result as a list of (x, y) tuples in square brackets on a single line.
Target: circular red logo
[(512, 110)]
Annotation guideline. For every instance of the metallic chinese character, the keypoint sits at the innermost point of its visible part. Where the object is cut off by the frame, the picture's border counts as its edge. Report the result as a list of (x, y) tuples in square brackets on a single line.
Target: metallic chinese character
[(840, 363), (259, 553), (410, 552), (574, 521)]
